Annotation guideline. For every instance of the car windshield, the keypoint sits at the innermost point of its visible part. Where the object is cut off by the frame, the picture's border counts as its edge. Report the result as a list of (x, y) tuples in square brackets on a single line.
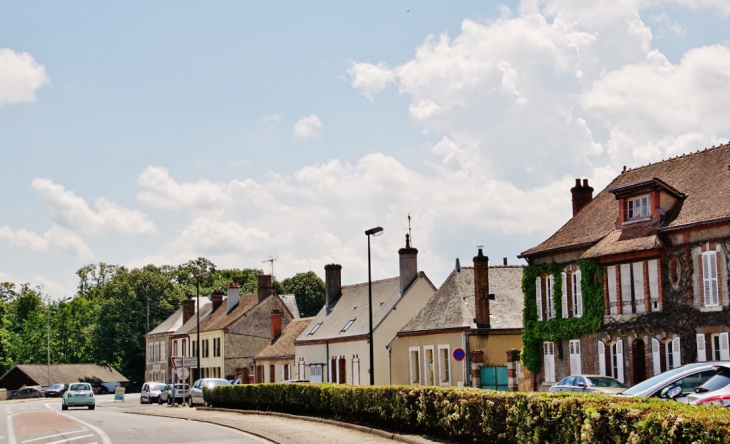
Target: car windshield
[(654, 380), (79, 387), (212, 382), (720, 380), (55, 387), (181, 387), (597, 381), (157, 386)]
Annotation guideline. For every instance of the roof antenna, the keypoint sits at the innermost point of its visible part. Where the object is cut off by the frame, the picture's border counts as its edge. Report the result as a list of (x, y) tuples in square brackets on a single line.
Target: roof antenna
[(410, 234), (272, 260)]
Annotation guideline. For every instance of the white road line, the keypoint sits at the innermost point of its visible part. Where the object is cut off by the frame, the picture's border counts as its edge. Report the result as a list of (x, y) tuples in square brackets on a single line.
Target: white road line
[(104, 437), (53, 436), (11, 432), (70, 439)]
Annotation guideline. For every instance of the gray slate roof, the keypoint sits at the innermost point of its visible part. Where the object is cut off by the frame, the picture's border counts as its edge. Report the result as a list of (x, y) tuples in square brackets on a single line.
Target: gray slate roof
[(205, 307), (71, 373), (452, 306), (353, 304), (169, 325), (290, 301)]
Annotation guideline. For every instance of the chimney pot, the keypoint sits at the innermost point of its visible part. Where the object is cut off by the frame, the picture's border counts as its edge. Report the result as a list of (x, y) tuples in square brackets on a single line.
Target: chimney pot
[(264, 289), (505, 261), (188, 309), (408, 265), (275, 323), (233, 296), (216, 298), (585, 182), (582, 195), (333, 282)]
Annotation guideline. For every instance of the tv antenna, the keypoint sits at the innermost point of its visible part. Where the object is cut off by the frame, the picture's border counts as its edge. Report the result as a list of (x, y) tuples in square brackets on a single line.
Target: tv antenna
[(272, 260), (410, 234)]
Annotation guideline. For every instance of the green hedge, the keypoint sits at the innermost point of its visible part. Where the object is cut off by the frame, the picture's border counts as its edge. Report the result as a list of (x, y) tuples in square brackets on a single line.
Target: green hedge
[(473, 415)]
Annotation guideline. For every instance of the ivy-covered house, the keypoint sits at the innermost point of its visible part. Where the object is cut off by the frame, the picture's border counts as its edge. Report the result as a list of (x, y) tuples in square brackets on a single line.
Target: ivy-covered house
[(636, 282)]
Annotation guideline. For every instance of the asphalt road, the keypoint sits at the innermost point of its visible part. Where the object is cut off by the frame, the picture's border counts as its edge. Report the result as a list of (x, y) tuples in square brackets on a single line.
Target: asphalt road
[(41, 421)]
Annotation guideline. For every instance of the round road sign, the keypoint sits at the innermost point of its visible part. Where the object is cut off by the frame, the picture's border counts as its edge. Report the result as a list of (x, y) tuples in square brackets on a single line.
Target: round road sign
[(459, 354)]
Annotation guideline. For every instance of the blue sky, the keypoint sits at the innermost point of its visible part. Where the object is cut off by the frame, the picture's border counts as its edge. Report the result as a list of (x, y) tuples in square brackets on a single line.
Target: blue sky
[(157, 132)]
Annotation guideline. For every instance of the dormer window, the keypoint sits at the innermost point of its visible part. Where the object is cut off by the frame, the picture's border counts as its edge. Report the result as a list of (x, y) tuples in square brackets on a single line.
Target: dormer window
[(314, 330), (638, 207), (349, 323)]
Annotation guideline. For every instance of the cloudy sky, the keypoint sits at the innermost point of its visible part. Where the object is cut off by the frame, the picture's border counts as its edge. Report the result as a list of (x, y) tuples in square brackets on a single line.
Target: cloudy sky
[(157, 132)]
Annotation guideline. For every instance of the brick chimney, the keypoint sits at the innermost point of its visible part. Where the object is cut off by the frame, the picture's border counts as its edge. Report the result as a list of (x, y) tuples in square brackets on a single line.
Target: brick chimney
[(188, 309), (408, 265), (233, 296), (481, 289), (264, 286), (582, 195), (275, 322), (333, 282), (217, 298)]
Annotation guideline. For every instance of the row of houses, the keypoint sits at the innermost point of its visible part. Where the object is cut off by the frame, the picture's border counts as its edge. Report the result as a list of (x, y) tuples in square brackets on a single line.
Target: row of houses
[(635, 283)]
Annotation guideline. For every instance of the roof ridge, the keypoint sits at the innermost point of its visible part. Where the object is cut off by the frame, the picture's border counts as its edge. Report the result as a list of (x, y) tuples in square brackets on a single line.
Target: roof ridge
[(374, 282), (677, 157)]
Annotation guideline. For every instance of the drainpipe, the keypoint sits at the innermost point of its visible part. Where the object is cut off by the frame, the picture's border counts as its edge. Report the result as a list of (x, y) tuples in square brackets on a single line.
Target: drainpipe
[(390, 366), (327, 360), (467, 360)]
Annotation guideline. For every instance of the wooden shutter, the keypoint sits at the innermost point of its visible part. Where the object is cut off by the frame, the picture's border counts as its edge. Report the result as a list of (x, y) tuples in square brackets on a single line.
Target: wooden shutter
[(564, 299), (677, 352), (342, 376), (575, 367), (286, 371), (638, 270), (578, 295), (611, 278), (538, 297), (724, 349), (620, 360), (701, 351), (653, 266), (601, 358), (626, 288), (272, 373), (656, 356)]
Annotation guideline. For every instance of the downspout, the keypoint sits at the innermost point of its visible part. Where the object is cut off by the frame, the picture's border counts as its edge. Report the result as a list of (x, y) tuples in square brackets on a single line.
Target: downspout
[(390, 366), (327, 360), (467, 365)]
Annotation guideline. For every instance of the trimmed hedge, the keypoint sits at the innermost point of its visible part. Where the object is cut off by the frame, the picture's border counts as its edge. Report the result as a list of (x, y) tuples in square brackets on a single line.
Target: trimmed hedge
[(474, 415)]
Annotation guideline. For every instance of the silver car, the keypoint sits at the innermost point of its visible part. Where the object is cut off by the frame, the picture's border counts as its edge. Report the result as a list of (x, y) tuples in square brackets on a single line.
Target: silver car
[(675, 384), (589, 384), (196, 391), (715, 391), (151, 392)]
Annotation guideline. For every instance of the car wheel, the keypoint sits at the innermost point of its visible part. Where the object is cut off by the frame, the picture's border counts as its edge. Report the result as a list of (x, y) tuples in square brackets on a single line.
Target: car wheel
[(190, 402), (169, 401), (92, 407), (64, 406), (159, 400)]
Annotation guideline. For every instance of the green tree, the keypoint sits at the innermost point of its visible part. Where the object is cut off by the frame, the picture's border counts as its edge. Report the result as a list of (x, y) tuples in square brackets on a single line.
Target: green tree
[(308, 289)]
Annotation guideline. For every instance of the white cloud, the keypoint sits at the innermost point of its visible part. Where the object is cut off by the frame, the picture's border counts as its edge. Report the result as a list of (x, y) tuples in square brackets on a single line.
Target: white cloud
[(674, 28), (307, 127), (370, 79), (20, 77), (106, 218), (160, 191), (56, 239)]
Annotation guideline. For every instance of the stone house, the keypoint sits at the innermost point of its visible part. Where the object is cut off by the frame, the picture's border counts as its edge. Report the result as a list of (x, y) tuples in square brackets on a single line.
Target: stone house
[(276, 362)]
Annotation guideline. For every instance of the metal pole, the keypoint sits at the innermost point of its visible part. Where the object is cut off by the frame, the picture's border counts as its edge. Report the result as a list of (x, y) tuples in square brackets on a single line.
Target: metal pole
[(48, 323), (197, 345), (370, 311)]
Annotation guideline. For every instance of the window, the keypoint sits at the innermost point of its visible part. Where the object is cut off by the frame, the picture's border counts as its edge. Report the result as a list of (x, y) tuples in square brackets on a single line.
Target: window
[(444, 365), (701, 349), (575, 367), (709, 279), (656, 356), (342, 370), (349, 323), (314, 330), (428, 365), (612, 294), (638, 208), (601, 358), (300, 368), (538, 297), (184, 347), (548, 361), (720, 350), (577, 295), (673, 353), (285, 371), (653, 271), (315, 372), (617, 360), (415, 360), (174, 348)]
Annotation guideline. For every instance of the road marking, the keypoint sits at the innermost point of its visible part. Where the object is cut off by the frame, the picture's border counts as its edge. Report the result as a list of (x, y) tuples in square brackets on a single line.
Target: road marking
[(104, 437), (11, 432), (53, 436), (71, 439)]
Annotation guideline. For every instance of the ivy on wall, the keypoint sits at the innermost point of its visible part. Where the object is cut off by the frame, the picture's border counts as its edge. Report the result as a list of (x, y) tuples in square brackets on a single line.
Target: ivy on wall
[(557, 328)]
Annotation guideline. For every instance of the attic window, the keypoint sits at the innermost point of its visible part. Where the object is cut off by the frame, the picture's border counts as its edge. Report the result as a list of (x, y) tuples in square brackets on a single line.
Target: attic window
[(638, 207), (314, 330), (349, 323)]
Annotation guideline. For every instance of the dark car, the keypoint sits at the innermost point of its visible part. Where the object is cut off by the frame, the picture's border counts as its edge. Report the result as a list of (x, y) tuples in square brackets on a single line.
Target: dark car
[(99, 388), (133, 387), (27, 393), (56, 390)]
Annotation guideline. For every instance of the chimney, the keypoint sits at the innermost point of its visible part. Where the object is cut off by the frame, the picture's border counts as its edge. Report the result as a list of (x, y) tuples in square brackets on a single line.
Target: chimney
[(505, 262), (264, 286), (408, 265), (217, 298), (481, 289), (188, 309), (333, 282), (582, 195), (233, 296), (275, 323)]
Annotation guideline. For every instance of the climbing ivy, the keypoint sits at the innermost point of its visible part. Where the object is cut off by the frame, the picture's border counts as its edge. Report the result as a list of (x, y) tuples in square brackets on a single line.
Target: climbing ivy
[(557, 329)]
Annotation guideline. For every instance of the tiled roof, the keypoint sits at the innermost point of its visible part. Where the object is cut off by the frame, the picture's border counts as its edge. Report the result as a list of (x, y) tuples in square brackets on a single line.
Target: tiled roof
[(71, 373), (191, 325), (636, 238), (284, 344), (221, 318), (169, 325), (452, 306), (704, 177), (353, 304)]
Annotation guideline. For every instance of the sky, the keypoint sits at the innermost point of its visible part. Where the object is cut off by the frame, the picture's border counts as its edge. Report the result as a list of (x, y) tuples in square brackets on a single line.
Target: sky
[(156, 132)]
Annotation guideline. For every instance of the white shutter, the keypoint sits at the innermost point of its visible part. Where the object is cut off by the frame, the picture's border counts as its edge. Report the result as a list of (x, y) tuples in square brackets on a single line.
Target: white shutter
[(638, 268), (677, 352), (549, 361), (701, 352), (714, 294), (706, 279), (564, 300), (601, 358), (653, 266), (549, 297), (538, 297), (620, 359), (578, 295), (626, 288), (724, 350), (656, 356), (611, 277), (575, 367)]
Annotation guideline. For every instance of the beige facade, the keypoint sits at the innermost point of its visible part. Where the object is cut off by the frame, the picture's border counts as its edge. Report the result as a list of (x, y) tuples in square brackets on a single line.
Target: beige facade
[(427, 359)]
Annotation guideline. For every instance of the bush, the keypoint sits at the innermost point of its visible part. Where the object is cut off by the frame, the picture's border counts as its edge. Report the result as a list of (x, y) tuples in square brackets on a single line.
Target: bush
[(474, 415)]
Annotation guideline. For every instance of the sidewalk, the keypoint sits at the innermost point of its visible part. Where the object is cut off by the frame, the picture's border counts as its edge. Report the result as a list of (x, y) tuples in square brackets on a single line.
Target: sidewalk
[(285, 429)]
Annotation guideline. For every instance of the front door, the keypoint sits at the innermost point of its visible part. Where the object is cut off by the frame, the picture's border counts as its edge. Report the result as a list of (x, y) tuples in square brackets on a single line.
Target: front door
[(494, 377)]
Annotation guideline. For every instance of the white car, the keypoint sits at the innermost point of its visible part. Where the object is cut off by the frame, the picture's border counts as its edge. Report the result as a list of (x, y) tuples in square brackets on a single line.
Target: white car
[(715, 391), (151, 392), (196, 392)]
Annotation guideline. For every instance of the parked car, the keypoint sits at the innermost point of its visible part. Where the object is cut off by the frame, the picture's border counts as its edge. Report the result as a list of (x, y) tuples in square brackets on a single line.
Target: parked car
[(294, 381), (151, 392), (715, 391), (196, 392), (27, 393), (675, 384), (589, 384), (173, 393), (56, 390), (99, 388), (133, 387), (79, 394)]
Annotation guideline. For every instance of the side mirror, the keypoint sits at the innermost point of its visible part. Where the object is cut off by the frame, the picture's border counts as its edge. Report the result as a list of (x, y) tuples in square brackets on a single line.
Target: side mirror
[(674, 392), (582, 385)]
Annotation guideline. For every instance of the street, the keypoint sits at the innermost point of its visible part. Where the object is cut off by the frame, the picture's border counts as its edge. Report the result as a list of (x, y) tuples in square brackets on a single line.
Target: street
[(41, 421)]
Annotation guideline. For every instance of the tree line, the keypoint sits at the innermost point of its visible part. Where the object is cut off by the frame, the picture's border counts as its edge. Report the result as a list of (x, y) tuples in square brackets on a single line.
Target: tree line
[(114, 307)]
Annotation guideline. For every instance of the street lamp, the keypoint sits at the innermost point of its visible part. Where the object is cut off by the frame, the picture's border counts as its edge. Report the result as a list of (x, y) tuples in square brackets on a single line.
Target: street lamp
[(198, 277), (48, 326), (377, 231)]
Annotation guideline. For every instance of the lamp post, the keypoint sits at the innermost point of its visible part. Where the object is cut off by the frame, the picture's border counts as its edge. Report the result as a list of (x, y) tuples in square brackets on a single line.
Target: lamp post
[(48, 327), (198, 277), (377, 231)]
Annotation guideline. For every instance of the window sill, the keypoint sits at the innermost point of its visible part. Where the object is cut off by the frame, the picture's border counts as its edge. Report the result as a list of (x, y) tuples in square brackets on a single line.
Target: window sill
[(635, 221), (711, 309)]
